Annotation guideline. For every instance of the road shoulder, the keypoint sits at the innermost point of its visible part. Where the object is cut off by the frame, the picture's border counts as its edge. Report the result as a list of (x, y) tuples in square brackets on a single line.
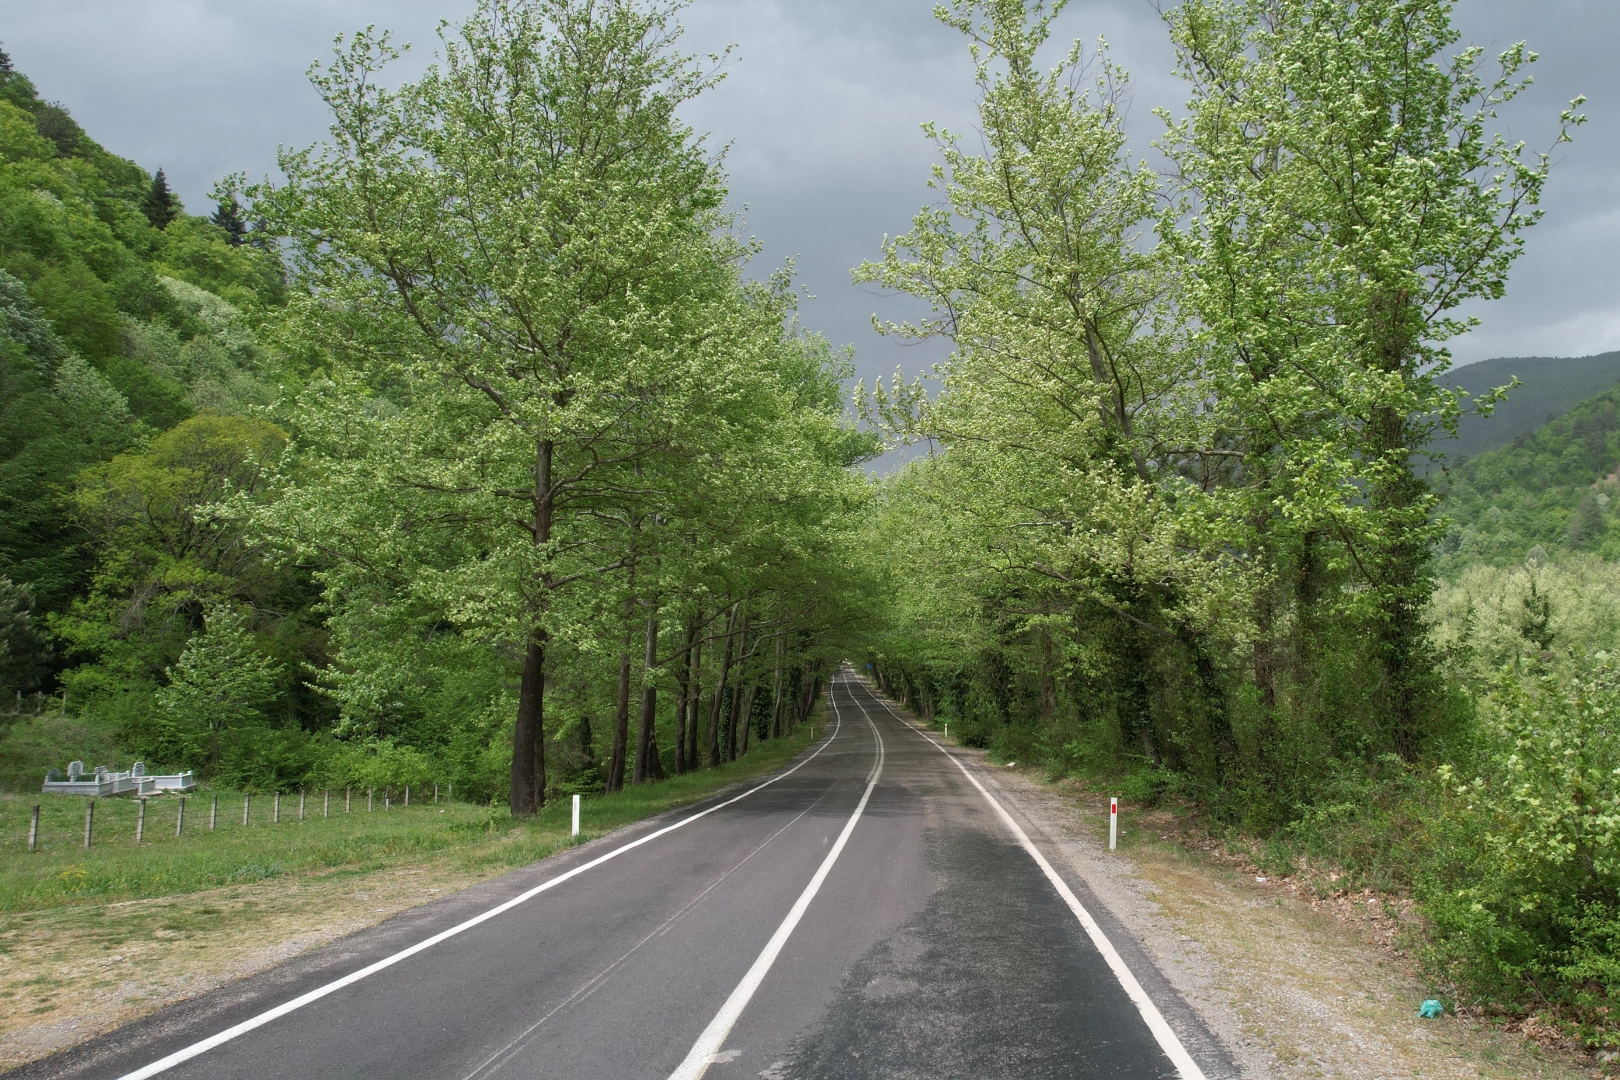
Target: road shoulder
[(1290, 990)]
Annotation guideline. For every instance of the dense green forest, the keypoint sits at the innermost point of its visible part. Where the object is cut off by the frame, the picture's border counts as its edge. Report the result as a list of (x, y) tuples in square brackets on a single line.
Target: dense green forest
[(270, 506), (1551, 487), (1548, 386)]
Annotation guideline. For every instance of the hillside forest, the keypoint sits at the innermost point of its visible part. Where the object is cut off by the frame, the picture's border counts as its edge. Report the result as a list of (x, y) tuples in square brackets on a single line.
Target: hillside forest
[(475, 446)]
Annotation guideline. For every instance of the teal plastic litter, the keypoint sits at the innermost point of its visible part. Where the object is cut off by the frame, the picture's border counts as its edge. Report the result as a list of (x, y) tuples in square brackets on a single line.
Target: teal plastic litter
[(1431, 1009)]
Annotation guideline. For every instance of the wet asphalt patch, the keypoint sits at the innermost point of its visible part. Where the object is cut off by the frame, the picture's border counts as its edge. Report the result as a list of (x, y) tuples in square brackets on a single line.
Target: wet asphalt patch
[(993, 979)]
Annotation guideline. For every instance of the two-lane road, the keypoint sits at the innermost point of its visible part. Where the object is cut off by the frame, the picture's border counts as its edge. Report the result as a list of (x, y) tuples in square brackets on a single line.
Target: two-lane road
[(876, 910)]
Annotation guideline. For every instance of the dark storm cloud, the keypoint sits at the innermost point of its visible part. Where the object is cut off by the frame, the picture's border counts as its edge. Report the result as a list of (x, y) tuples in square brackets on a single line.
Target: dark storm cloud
[(820, 109)]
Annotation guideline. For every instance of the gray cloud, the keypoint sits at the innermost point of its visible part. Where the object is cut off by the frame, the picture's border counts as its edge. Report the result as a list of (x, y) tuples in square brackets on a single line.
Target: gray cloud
[(820, 108)]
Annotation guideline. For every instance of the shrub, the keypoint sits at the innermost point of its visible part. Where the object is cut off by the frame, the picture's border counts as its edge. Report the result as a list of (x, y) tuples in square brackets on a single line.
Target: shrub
[(1524, 890)]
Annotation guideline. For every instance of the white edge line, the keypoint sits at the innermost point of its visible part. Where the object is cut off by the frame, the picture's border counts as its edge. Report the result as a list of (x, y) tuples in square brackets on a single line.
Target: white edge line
[(708, 1044), (1168, 1042), (202, 1047)]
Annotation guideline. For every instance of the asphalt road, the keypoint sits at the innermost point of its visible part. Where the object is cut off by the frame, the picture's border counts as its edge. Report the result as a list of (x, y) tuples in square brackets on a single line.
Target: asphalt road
[(868, 913)]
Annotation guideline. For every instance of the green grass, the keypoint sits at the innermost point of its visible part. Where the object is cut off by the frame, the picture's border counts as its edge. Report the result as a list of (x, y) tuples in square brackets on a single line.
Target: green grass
[(62, 873)]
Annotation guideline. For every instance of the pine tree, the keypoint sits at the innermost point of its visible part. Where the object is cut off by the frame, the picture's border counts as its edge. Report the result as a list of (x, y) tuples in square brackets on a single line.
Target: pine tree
[(228, 216), (160, 205)]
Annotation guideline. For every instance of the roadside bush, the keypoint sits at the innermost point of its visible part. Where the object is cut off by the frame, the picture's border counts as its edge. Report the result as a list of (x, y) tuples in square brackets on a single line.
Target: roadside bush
[(1523, 888), (376, 763)]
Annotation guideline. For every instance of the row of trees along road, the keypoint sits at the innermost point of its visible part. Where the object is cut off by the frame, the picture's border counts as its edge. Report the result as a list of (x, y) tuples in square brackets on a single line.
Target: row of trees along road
[(1177, 518), (1177, 527), (550, 414)]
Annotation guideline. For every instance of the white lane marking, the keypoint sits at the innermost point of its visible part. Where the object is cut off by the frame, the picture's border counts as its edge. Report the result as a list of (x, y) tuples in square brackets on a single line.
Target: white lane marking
[(505, 1053), (706, 1050), (204, 1045), (1168, 1042)]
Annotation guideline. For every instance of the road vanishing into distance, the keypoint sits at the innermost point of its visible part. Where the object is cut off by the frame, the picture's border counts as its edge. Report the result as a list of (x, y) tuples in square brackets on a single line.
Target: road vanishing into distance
[(878, 909)]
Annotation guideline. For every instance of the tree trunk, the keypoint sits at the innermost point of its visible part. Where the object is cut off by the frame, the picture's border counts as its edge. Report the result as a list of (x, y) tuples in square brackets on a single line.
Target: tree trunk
[(720, 692), (529, 732), (776, 691), (748, 716), (528, 735), (645, 745), (736, 693), (694, 697), (683, 681), (1396, 494), (621, 717)]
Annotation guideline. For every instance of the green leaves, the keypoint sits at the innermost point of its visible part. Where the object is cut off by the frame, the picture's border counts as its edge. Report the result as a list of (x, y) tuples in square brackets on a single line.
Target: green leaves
[(1178, 427), (220, 682)]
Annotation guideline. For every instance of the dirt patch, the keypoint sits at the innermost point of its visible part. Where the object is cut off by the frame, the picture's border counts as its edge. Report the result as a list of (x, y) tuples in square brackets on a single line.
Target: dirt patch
[(1295, 986), (72, 973)]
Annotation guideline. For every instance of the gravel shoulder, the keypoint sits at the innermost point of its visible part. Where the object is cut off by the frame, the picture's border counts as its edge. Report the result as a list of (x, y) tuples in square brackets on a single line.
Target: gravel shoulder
[(1294, 989)]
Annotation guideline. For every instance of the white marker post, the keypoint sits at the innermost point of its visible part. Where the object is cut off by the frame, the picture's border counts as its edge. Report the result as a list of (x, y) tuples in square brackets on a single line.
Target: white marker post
[(1113, 823), (576, 815)]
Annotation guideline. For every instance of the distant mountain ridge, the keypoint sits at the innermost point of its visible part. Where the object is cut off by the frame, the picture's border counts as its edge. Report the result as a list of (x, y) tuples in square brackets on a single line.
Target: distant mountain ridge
[(1555, 488), (1551, 387)]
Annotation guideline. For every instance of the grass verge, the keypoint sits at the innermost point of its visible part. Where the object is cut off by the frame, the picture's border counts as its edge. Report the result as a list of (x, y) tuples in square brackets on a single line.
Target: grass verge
[(93, 939)]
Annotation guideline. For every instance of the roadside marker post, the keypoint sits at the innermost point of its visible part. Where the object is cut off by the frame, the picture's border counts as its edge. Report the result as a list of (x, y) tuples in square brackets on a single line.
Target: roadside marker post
[(213, 814), (1113, 823), (33, 824), (326, 802), (89, 818), (180, 815), (275, 809), (300, 804), (247, 800), (140, 819), (576, 815), (369, 799)]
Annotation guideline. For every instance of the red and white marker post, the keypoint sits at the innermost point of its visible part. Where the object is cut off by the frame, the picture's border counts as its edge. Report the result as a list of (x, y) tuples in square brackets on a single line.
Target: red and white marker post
[(1113, 823)]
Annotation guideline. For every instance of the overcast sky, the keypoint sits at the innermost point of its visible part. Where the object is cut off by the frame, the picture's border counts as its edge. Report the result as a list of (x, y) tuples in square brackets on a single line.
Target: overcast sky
[(821, 108)]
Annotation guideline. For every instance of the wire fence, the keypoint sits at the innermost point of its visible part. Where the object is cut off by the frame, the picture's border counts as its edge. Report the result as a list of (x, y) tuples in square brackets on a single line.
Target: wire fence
[(57, 821)]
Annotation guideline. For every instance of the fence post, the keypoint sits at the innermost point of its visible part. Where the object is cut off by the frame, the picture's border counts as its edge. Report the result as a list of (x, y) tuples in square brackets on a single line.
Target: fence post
[(33, 824), (89, 817), (140, 819), (247, 798), (576, 815), (213, 813), (275, 809), (1113, 822), (180, 815)]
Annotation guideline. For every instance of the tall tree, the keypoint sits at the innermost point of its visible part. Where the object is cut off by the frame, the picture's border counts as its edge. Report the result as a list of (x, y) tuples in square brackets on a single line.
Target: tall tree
[(228, 216), (1348, 196), (521, 251), (160, 205)]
